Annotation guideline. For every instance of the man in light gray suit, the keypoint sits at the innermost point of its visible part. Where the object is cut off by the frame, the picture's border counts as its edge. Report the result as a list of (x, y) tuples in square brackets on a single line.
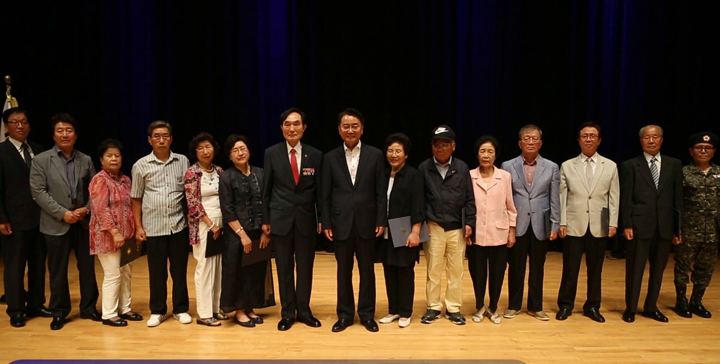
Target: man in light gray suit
[(589, 203), (536, 193), (59, 180)]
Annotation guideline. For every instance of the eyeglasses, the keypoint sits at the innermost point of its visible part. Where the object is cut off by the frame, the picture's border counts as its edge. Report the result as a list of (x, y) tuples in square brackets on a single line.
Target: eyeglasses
[(163, 137), (209, 148), (589, 136), (531, 139), (238, 150), (14, 123), (700, 148), (441, 145), (354, 127)]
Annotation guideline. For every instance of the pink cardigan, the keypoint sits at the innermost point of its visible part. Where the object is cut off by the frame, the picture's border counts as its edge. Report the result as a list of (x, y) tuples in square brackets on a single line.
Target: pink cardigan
[(495, 207)]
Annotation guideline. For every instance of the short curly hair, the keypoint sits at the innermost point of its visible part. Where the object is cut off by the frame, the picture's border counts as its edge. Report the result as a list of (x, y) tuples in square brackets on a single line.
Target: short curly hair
[(202, 137)]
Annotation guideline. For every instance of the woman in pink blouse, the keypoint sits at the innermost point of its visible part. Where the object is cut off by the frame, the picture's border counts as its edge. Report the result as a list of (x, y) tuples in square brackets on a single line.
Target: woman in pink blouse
[(202, 181), (111, 223), (494, 228)]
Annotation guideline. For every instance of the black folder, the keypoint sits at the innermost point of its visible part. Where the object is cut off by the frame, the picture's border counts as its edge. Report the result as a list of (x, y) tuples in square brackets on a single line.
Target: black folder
[(257, 254), (130, 251), (677, 222), (213, 247), (605, 220), (548, 223)]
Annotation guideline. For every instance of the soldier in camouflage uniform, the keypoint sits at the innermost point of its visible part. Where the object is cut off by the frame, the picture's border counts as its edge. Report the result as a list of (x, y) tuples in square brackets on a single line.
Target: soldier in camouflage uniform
[(699, 248)]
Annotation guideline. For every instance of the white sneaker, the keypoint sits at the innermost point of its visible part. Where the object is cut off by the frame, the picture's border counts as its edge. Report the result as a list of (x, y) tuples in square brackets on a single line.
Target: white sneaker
[(155, 320), (404, 323), (389, 318), (183, 317)]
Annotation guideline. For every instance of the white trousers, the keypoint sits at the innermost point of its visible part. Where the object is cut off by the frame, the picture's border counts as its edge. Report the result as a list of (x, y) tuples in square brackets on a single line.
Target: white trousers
[(208, 274), (116, 286)]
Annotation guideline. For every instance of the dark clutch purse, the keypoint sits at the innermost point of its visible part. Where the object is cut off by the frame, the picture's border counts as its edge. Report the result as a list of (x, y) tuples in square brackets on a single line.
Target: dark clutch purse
[(214, 247)]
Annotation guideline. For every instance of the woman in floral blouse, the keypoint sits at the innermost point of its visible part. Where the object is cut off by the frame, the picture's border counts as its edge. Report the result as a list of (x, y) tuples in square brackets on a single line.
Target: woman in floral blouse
[(202, 181), (111, 223)]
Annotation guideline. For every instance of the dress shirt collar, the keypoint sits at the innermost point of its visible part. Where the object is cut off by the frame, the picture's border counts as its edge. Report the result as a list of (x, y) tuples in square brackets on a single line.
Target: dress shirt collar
[(649, 157), (16, 143), (62, 155), (298, 148), (154, 158), (594, 157), (446, 164), (357, 148), (530, 163)]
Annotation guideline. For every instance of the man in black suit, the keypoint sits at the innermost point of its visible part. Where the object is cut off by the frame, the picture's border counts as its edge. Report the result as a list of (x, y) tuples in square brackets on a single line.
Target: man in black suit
[(290, 195), (19, 223), (650, 198), (354, 211)]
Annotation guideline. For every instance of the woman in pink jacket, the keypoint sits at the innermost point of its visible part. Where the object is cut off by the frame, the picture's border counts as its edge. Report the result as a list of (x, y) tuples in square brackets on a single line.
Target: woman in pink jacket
[(494, 228)]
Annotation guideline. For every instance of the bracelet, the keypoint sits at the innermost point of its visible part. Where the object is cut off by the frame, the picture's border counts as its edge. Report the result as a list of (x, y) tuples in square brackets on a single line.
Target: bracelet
[(239, 230), (212, 226)]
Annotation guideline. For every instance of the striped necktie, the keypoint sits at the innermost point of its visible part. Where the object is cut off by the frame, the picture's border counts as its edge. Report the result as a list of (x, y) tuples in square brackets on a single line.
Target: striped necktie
[(654, 171)]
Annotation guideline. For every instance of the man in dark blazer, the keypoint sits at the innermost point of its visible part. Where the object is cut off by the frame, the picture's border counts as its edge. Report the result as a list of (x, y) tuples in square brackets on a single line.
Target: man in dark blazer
[(536, 193), (651, 197), (59, 180), (22, 243), (354, 210), (290, 195)]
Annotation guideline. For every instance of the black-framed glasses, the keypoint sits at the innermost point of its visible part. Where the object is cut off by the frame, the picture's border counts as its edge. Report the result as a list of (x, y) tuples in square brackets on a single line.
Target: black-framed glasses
[(700, 148), (14, 123)]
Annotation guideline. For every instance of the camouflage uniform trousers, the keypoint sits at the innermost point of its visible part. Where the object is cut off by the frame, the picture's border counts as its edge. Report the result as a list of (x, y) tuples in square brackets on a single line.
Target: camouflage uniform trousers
[(703, 255)]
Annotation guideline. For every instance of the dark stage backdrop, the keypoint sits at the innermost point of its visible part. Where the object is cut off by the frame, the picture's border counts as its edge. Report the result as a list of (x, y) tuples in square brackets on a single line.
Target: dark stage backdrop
[(483, 67)]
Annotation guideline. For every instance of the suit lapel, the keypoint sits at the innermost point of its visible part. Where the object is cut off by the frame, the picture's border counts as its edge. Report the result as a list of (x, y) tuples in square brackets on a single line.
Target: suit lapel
[(664, 173), (539, 169), (642, 166), (342, 162), (598, 172), (581, 173), (55, 159), (361, 164), (285, 163), (521, 172), (13, 153)]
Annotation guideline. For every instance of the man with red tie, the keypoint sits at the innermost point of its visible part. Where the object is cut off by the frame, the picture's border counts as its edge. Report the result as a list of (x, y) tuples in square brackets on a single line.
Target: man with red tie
[(290, 195)]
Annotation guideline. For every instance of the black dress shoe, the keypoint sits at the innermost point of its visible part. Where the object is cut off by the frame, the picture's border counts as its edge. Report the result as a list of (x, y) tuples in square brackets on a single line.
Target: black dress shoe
[(629, 317), (285, 324), (95, 316), (594, 315), (131, 317), (116, 323), (310, 321), (563, 314), (342, 324), (39, 312), (370, 325), (257, 320), (17, 320), (655, 315), (244, 324), (57, 323)]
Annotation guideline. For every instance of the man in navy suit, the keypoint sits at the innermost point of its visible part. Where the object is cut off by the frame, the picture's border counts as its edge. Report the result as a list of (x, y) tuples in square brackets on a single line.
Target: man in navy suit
[(651, 195), (290, 195), (354, 213), (536, 193), (19, 222)]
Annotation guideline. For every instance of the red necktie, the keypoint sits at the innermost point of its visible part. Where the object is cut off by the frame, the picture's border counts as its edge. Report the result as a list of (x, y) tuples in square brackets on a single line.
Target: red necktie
[(294, 166)]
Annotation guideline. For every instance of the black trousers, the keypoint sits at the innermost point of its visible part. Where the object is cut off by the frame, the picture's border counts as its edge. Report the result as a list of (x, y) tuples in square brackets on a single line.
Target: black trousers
[(400, 287), (487, 268), (58, 254), (160, 249), (526, 245), (21, 248), (639, 251), (573, 248), (291, 251), (364, 251)]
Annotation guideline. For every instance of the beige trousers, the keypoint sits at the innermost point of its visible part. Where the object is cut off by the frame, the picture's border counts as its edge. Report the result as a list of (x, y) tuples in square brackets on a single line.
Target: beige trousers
[(445, 249)]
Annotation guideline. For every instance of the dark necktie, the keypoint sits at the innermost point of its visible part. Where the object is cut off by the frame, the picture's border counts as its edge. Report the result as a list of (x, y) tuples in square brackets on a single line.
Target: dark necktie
[(26, 154), (294, 166), (654, 171)]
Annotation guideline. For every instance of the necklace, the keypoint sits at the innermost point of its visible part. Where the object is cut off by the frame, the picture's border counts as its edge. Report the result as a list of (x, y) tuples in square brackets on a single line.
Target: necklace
[(209, 170)]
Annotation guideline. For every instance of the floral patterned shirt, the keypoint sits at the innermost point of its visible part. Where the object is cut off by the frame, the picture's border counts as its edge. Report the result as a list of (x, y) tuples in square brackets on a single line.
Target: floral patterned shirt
[(111, 208), (196, 211)]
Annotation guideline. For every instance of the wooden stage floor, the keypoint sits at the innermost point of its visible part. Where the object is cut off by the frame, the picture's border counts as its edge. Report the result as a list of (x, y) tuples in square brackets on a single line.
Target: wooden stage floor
[(577, 340)]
